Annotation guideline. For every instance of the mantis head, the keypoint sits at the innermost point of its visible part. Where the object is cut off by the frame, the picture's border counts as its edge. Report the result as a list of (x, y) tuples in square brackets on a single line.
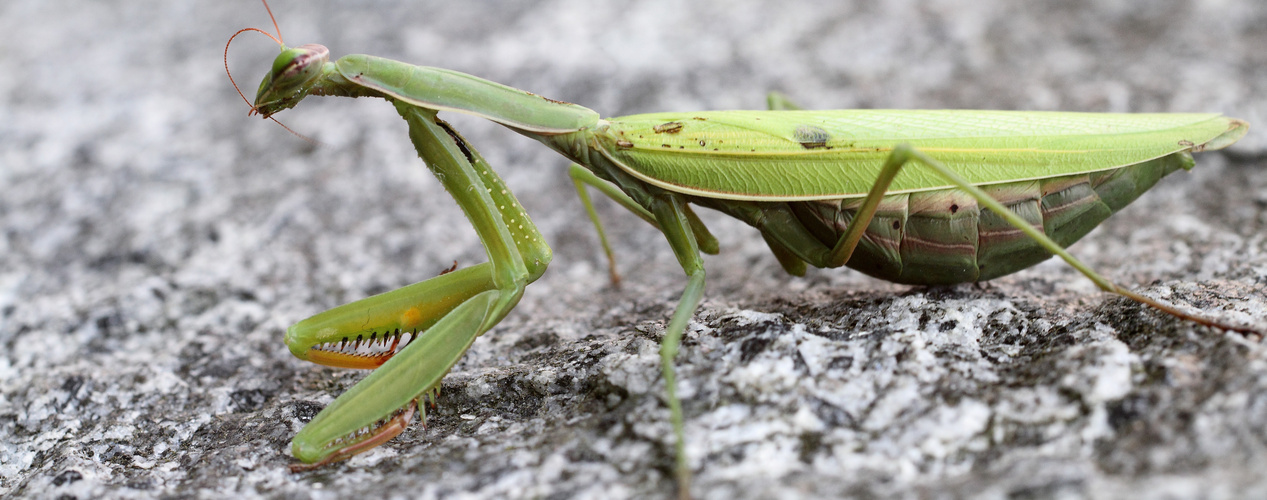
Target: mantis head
[(295, 71)]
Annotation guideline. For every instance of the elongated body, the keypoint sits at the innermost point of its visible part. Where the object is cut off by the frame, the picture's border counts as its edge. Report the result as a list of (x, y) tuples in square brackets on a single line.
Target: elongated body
[(922, 197), (1062, 172)]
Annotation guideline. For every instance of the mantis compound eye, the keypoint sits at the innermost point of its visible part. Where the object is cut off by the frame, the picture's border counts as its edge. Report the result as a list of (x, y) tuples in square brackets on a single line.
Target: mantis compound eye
[(300, 63), (294, 72)]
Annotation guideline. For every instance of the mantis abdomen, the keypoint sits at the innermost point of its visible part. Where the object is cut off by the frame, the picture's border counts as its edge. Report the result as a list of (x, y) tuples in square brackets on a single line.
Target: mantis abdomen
[(943, 237)]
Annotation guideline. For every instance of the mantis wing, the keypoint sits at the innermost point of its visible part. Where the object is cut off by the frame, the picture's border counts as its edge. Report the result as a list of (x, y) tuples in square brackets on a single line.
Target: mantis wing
[(808, 155)]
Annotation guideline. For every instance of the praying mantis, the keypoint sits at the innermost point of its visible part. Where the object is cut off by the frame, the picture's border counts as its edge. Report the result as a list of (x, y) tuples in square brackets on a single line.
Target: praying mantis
[(916, 197)]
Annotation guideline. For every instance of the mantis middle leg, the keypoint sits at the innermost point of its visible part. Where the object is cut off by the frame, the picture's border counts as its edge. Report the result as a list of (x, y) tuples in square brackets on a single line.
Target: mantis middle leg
[(582, 177), (671, 213)]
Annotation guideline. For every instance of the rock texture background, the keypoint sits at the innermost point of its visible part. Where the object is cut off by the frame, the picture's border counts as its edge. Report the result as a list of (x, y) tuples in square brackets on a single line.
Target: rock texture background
[(155, 242)]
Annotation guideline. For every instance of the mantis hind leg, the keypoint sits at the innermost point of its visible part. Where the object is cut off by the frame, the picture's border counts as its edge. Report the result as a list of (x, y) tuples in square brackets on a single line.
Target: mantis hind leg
[(444, 315), (904, 154)]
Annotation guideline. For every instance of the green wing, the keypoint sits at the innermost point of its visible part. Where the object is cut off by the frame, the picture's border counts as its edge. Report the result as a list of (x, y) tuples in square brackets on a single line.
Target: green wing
[(805, 155)]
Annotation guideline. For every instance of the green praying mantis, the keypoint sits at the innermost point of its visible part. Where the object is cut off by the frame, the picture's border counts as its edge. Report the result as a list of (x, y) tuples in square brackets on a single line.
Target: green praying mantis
[(913, 197)]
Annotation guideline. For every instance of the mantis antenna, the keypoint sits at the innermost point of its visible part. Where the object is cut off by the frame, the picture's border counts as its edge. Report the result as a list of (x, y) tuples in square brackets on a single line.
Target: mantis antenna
[(278, 40)]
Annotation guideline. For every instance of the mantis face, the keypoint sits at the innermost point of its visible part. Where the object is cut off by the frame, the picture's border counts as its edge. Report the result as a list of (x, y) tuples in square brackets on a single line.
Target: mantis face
[(294, 73)]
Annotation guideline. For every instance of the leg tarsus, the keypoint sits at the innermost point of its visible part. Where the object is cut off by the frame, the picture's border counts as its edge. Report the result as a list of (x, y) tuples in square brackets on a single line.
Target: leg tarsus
[(1181, 314)]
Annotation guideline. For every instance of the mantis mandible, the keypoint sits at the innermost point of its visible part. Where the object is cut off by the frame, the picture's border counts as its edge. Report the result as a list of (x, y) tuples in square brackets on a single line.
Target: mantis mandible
[(914, 197)]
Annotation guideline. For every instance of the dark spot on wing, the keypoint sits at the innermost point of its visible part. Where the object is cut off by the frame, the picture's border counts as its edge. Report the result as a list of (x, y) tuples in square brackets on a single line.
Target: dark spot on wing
[(668, 128), (811, 137)]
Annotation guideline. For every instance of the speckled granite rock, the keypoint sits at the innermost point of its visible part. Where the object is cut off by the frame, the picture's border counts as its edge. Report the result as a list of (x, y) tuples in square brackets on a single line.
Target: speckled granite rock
[(156, 242)]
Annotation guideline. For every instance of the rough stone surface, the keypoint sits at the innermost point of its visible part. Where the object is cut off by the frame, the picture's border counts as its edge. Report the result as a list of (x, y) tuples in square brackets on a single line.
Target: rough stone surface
[(155, 243)]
